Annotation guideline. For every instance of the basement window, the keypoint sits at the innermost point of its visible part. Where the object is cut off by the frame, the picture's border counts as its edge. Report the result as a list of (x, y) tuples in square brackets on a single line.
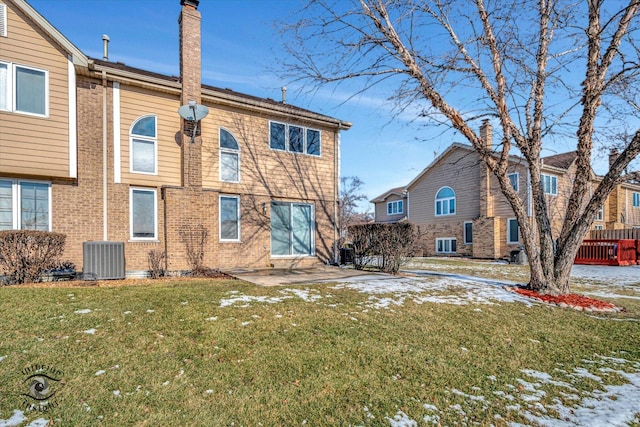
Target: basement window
[(446, 245)]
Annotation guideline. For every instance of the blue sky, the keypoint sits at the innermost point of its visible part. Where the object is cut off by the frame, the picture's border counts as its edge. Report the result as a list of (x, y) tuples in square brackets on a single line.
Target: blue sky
[(239, 44), (239, 47)]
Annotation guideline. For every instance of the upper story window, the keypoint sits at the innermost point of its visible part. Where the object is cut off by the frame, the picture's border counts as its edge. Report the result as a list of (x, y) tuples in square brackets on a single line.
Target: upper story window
[(445, 201), (549, 184), (600, 214), (394, 208), (24, 89), (144, 145), (514, 179), (25, 205), (229, 157), (636, 200), (294, 139)]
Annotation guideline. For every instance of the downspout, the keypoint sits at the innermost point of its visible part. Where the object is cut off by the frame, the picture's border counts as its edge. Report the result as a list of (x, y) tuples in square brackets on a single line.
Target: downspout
[(336, 194), (104, 157), (105, 181)]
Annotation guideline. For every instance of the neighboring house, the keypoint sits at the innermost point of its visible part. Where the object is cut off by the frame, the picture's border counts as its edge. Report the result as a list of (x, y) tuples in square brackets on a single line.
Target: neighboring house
[(458, 203), (96, 150), (390, 206)]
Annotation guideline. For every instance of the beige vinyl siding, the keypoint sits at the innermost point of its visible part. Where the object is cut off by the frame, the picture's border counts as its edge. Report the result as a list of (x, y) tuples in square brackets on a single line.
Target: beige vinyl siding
[(501, 207), (381, 209), (23, 150), (460, 170), (136, 102), (264, 171), (633, 213)]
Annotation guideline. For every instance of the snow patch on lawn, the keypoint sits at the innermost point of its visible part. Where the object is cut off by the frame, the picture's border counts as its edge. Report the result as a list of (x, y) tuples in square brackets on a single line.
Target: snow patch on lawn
[(401, 420), (18, 417), (83, 311), (91, 331), (432, 289)]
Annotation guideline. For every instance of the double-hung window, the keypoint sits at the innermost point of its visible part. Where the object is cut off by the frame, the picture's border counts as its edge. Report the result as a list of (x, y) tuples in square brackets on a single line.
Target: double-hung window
[(549, 184), (25, 205), (144, 145), (513, 231), (394, 208), (599, 214), (144, 214), (294, 139), (514, 179), (636, 200), (229, 157), (230, 218), (292, 229), (468, 233), (445, 202), (24, 89)]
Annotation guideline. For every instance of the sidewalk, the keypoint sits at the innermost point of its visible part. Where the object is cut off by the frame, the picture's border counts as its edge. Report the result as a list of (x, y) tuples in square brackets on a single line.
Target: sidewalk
[(277, 277)]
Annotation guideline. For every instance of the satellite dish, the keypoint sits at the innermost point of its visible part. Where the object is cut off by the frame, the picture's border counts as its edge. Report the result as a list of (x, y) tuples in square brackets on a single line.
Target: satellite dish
[(193, 112)]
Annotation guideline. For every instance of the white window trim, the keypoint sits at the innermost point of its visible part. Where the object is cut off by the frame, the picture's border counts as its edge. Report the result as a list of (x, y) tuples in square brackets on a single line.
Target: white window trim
[(599, 217), (155, 215), (144, 138), (228, 151), (397, 203), (11, 89), (509, 241), (517, 180), (286, 139), (450, 239), (464, 233), (447, 199), (226, 196), (313, 232), (16, 206), (551, 179), (73, 118), (117, 147)]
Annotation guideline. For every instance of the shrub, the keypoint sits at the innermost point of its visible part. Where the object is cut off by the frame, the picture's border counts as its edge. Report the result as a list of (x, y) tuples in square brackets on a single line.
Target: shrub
[(385, 244), (26, 254), (155, 263), (194, 239)]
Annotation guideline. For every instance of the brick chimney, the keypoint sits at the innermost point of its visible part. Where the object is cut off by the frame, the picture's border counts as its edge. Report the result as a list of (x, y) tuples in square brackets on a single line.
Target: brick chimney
[(613, 156), (486, 133), (190, 75), (486, 194)]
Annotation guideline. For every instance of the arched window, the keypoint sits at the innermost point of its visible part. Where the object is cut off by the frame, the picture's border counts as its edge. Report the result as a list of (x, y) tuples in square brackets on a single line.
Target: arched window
[(445, 201), (144, 145), (229, 157)]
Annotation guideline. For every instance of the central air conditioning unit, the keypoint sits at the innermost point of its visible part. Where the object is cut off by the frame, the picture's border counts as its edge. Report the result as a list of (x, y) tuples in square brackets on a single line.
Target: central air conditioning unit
[(103, 260)]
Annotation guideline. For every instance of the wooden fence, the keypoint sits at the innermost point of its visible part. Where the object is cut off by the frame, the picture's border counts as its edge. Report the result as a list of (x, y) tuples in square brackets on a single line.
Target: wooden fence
[(629, 233), (609, 252)]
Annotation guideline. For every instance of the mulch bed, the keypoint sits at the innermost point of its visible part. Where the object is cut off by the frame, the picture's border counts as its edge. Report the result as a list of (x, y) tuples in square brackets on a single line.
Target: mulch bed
[(575, 301)]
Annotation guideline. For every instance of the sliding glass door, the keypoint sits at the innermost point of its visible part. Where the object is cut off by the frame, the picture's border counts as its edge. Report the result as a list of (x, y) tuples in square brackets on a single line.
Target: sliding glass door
[(292, 226)]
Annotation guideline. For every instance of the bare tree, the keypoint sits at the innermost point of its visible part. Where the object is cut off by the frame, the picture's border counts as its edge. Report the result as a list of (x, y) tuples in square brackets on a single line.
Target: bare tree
[(350, 196), (545, 69)]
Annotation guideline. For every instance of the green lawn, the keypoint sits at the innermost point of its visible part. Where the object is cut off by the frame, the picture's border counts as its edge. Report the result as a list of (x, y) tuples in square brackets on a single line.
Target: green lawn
[(216, 352)]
